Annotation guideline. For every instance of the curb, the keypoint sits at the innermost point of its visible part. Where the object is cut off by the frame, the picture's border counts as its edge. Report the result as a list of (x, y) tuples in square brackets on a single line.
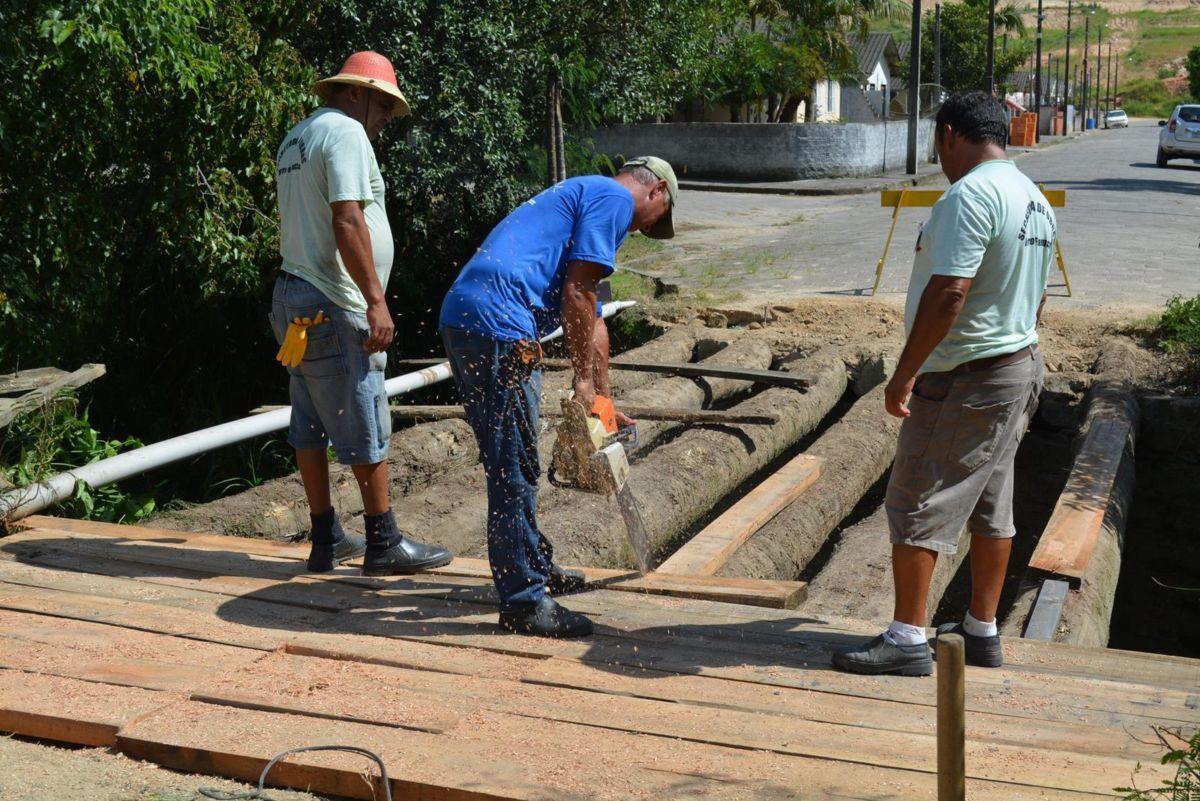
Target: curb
[(854, 189)]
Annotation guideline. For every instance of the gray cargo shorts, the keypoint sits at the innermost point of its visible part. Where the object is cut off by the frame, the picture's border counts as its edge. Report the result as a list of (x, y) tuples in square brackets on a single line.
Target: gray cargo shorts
[(954, 460)]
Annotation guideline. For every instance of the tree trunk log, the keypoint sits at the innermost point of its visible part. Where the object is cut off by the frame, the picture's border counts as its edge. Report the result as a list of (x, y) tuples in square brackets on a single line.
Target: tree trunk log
[(856, 582), (857, 450), (419, 455), (453, 513), (1088, 608), (678, 483)]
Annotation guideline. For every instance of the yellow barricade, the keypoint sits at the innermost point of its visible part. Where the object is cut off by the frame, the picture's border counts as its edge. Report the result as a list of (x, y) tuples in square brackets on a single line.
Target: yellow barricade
[(897, 199)]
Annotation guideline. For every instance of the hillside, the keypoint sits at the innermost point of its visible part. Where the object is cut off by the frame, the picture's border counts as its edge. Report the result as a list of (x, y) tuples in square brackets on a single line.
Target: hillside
[(1149, 37)]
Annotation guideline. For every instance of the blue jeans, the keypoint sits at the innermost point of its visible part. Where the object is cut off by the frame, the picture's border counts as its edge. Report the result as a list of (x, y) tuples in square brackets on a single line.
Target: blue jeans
[(501, 395), (337, 390)]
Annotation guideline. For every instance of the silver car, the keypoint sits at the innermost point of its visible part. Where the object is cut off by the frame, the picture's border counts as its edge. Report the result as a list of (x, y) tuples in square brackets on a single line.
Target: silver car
[(1180, 135), (1116, 118)]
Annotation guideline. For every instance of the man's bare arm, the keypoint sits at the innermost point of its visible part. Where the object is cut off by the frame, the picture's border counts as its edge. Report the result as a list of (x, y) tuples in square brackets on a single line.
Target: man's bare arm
[(354, 244), (939, 307), (579, 322), (1041, 308)]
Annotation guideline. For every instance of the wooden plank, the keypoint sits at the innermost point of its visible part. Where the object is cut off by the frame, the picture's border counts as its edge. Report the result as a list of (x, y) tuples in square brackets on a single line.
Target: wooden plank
[(777, 378), (1149, 669), (1066, 544), (25, 380), (770, 594), (1047, 611), (47, 390), (1009, 691), (924, 198), (708, 551), (71, 711)]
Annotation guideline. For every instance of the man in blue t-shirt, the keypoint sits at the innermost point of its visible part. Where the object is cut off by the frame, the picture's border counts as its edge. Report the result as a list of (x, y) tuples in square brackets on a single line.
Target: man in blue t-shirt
[(536, 270)]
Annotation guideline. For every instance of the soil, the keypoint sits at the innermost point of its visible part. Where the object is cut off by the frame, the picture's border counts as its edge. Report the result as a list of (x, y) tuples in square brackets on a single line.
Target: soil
[(34, 771)]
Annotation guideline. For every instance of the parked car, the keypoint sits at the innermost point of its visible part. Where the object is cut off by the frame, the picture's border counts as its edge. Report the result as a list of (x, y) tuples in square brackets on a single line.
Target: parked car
[(1180, 135), (1116, 118)]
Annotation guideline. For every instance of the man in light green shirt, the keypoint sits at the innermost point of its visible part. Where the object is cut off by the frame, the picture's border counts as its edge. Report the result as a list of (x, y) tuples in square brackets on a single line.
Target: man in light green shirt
[(966, 385)]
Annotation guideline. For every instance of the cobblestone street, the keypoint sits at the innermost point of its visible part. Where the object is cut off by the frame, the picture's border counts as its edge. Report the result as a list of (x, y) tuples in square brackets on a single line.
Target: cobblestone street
[(1129, 233)]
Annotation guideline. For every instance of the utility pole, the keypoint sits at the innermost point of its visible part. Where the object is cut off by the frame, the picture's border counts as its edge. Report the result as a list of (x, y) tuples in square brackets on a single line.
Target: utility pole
[(1098, 32), (1108, 98), (991, 48), (1037, 80), (1116, 79), (914, 86), (937, 45), (1086, 97), (1067, 68)]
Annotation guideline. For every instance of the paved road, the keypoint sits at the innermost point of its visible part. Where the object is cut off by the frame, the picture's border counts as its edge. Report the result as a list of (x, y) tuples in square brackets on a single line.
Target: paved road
[(1130, 231)]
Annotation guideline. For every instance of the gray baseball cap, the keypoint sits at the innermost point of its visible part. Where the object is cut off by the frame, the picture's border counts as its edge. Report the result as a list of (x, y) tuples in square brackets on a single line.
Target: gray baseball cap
[(664, 228)]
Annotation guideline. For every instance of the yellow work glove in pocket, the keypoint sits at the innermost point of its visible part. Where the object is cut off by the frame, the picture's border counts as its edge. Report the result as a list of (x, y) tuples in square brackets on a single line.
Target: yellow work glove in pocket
[(295, 342)]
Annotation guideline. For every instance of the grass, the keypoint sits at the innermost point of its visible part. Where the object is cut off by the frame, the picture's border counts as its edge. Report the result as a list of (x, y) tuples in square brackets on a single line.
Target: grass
[(638, 246), (628, 285), (1147, 97)]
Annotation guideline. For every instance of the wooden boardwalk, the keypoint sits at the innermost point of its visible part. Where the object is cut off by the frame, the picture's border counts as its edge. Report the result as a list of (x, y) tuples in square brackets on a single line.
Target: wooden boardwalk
[(213, 654)]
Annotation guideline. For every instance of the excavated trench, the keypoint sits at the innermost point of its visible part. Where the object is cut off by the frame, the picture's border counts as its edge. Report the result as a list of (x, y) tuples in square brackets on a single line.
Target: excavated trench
[(833, 536)]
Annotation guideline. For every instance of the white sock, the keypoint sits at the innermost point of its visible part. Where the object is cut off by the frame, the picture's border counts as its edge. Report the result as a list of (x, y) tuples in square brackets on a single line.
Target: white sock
[(979, 628), (905, 634)]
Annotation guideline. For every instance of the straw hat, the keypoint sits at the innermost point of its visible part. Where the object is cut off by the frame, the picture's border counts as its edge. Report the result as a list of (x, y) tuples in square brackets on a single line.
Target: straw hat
[(371, 70)]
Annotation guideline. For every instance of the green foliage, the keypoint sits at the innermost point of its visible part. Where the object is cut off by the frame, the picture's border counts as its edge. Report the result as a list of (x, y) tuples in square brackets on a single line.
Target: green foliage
[(1182, 751), (1193, 68), (58, 437), (964, 49), (1147, 97), (137, 189), (1180, 325)]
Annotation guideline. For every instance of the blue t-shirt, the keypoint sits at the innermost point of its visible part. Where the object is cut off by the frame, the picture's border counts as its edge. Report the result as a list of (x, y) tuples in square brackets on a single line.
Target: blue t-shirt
[(512, 287)]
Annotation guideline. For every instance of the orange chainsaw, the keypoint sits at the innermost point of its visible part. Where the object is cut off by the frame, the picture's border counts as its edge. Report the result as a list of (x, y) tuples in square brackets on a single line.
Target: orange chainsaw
[(589, 455)]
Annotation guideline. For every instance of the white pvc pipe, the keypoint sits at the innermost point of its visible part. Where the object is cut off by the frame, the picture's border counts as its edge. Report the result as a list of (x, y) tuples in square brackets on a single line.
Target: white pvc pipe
[(18, 503)]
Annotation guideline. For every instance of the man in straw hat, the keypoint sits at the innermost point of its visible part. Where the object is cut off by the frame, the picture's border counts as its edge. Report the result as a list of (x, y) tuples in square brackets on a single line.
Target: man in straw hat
[(330, 315), (537, 268)]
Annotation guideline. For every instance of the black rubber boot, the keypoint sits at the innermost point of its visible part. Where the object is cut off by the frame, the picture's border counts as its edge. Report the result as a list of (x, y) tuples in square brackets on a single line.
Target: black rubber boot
[(879, 656), (330, 545), (981, 651), (546, 618), (565, 582), (390, 553)]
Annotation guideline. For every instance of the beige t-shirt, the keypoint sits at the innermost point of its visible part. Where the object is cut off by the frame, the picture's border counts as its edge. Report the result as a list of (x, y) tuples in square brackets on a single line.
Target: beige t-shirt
[(327, 158)]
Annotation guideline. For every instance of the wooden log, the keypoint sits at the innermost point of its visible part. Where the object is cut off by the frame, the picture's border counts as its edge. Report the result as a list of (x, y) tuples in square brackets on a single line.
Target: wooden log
[(418, 456), (856, 452), (719, 417), (856, 581), (1084, 539), (951, 723), (708, 551), (678, 482), (775, 378), (453, 512)]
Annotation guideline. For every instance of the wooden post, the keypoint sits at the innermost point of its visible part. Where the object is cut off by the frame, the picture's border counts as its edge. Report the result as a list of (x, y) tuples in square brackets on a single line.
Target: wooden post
[(951, 727)]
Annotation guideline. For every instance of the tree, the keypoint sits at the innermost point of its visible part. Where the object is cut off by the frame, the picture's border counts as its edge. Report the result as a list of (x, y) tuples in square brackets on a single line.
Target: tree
[(964, 49), (1193, 69)]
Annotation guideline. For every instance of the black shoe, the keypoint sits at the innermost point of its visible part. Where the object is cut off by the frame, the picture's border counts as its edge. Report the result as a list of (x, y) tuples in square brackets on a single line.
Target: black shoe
[(981, 651), (879, 656), (546, 619), (404, 556), (335, 546), (563, 581)]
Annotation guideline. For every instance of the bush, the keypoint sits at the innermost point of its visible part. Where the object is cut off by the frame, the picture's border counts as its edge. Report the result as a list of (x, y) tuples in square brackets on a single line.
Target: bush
[(58, 437), (1183, 751), (1180, 326)]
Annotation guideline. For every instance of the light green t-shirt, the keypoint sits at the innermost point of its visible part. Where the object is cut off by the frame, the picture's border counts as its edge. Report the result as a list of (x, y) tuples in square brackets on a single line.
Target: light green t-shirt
[(324, 159), (995, 227)]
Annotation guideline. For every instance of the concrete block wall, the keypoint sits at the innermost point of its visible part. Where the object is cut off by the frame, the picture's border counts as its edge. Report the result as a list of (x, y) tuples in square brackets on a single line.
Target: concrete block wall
[(769, 151)]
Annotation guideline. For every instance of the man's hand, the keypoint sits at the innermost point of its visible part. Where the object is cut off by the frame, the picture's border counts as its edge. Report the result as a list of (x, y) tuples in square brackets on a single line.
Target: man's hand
[(382, 329), (585, 393), (624, 420), (895, 395)]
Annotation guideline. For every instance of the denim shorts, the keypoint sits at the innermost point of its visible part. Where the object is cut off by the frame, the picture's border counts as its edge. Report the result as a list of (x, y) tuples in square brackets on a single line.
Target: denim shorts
[(955, 458), (337, 390)]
